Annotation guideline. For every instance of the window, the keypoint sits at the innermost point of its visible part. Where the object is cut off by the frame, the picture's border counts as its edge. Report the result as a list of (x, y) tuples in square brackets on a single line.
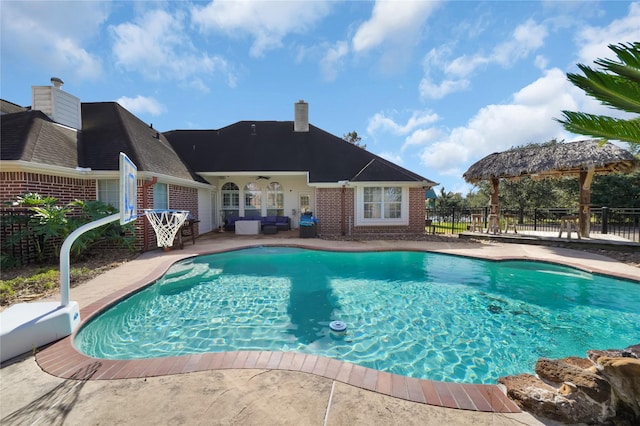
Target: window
[(230, 200), (384, 205), (275, 199), (160, 196), (109, 192), (252, 200)]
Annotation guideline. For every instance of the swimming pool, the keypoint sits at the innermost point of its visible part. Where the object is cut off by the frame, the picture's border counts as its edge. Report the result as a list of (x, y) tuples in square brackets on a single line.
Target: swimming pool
[(423, 315)]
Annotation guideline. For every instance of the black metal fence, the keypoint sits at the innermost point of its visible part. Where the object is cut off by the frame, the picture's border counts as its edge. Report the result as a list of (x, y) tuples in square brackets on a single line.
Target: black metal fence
[(623, 222)]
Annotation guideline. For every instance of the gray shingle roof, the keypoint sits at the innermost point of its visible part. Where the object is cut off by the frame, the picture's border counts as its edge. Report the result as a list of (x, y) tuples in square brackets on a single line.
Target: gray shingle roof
[(31, 136), (108, 128), (274, 147)]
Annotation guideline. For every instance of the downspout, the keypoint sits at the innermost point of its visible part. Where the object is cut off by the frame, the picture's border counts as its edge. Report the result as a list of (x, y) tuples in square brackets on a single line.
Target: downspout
[(343, 213), (343, 218), (145, 225)]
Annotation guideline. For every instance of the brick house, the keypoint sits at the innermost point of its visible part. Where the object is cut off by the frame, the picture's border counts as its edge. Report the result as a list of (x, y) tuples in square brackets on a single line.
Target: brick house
[(69, 149)]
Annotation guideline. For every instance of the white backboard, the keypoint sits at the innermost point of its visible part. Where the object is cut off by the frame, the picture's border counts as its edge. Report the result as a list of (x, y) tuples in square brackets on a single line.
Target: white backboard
[(128, 190)]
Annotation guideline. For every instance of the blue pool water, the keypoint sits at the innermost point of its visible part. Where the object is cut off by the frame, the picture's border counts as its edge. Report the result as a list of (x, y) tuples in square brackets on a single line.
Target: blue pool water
[(422, 315)]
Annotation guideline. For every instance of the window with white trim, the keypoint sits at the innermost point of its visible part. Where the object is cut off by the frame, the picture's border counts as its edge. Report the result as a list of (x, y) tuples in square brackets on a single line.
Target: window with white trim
[(109, 192), (160, 196), (252, 200), (275, 199), (382, 205)]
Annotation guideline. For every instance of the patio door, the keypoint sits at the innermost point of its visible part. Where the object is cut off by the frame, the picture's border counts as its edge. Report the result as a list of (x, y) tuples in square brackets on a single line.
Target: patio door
[(304, 202)]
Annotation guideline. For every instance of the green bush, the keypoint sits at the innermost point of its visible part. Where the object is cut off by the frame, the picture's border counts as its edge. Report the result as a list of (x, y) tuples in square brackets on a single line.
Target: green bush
[(51, 224)]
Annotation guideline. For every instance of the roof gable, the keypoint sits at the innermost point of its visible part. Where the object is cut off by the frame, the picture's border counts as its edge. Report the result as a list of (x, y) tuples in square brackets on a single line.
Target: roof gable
[(108, 129)]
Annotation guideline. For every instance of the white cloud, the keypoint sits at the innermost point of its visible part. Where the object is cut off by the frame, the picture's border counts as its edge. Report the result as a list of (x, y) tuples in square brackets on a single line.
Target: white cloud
[(430, 90), (381, 123), (593, 41), (333, 60), (528, 118), (52, 37), (526, 38), (267, 22), (156, 46), (421, 137), (142, 105), (541, 62), (397, 21)]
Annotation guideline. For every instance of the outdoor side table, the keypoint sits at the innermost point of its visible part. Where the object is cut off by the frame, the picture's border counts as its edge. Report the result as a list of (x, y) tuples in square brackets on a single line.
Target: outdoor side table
[(248, 227), (476, 223), (569, 223), (510, 223), (494, 224)]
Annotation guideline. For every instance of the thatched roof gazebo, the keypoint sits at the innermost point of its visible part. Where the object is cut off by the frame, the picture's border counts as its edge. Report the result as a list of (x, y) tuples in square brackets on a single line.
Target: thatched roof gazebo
[(583, 159)]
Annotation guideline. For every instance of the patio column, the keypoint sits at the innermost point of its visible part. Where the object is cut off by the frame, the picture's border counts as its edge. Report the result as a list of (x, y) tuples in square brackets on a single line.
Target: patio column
[(584, 215)]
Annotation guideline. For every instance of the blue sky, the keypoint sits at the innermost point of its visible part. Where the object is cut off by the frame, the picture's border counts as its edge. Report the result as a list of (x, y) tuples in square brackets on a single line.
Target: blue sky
[(433, 86)]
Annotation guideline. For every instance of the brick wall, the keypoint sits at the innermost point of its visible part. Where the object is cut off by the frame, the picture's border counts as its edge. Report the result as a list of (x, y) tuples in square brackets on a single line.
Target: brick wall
[(329, 213), (65, 189), (329, 210)]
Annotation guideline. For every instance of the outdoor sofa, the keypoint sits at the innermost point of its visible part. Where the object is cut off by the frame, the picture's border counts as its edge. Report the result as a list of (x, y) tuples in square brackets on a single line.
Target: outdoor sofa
[(283, 223)]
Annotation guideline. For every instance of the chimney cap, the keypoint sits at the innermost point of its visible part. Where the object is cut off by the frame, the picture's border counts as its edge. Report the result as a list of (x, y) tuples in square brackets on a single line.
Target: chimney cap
[(57, 82)]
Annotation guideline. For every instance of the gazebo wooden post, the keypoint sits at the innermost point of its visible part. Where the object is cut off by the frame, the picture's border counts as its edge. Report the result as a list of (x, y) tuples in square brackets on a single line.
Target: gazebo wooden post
[(584, 216), (494, 203)]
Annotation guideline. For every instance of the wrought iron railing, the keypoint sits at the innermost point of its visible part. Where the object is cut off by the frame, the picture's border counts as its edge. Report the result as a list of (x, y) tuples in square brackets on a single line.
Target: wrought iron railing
[(623, 222)]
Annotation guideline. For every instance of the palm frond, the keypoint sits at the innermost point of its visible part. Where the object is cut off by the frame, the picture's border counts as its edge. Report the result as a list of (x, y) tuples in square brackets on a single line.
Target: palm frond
[(629, 65), (611, 90), (600, 126)]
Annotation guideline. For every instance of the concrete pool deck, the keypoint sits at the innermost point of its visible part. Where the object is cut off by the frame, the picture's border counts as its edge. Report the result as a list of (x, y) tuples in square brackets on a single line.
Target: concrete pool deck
[(239, 396)]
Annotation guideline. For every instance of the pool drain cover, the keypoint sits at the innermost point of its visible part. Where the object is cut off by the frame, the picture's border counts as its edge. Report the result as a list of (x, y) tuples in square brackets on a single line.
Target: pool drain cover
[(337, 326)]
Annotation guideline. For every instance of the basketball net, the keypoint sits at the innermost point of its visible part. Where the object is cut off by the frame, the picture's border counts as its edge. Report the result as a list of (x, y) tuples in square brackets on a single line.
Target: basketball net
[(166, 224)]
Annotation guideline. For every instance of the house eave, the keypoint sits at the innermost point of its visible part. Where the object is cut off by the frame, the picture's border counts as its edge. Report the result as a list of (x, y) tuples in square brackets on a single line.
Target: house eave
[(83, 173), (423, 184)]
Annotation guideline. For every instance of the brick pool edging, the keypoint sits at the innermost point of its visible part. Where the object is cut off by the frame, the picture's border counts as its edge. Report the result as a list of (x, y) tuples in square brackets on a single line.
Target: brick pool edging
[(62, 359)]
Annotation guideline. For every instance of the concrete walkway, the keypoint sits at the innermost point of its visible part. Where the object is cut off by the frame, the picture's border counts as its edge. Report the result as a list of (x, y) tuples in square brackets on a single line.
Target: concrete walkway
[(260, 396)]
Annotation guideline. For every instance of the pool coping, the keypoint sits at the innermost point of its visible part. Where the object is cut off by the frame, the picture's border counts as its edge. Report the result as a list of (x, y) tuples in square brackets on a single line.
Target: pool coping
[(62, 359)]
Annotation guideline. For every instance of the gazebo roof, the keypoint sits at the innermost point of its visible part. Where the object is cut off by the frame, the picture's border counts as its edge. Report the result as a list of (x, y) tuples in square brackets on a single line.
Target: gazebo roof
[(554, 160)]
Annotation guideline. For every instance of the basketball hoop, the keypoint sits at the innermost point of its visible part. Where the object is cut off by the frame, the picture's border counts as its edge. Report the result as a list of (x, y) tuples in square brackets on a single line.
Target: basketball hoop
[(166, 224)]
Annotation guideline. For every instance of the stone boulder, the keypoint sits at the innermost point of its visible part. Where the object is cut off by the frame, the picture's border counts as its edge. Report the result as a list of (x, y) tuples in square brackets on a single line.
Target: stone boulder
[(603, 388), (583, 380), (541, 399), (624, 376)]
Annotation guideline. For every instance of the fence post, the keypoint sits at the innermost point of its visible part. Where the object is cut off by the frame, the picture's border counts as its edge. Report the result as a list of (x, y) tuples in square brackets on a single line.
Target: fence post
[(453, 219), (605, 220), (535, 219)]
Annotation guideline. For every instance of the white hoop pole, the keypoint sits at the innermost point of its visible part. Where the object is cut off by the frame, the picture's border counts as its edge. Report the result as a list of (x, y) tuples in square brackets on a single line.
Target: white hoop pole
[(66, 249)]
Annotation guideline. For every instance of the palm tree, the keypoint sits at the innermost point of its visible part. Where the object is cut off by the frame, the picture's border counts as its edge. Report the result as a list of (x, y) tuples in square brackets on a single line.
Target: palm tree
[(618, 86)]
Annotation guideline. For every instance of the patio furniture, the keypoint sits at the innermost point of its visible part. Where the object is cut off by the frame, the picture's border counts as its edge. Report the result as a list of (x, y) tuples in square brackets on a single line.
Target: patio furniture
[(476, 223), (308, 226), (494, 224), (269, 229), (283, 223), (248, 227), (187, 230), (509, 223), (569, 224)]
